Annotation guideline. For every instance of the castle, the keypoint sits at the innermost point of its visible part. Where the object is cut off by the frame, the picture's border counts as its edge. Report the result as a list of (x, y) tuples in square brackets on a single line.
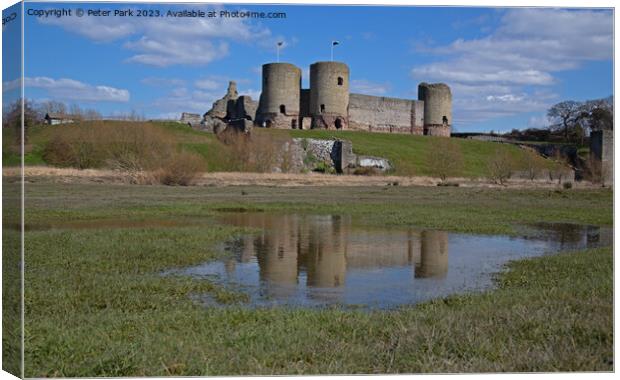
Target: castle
[(328, 104)]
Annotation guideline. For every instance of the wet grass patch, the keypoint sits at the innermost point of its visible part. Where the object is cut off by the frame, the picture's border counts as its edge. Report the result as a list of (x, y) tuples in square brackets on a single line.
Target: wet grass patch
[(97, 304)]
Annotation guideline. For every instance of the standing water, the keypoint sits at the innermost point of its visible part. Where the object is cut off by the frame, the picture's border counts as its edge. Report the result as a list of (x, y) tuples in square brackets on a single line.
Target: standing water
[(319, 260)]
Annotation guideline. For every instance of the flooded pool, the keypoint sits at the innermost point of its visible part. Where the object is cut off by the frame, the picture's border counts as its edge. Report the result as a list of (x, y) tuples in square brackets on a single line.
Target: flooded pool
[(320, 260)]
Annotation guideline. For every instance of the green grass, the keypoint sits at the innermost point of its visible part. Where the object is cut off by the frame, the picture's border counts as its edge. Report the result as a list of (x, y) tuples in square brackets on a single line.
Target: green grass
[(407, 153), (96, 304)]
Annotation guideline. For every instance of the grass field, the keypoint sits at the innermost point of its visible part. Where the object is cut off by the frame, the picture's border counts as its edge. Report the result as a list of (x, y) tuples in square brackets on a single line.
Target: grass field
[(96, 304), (409, 154)]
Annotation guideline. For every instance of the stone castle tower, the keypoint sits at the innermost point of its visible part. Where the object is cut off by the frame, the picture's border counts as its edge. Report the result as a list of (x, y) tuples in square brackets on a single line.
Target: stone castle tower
[(329, 95), (437, 100), (328, 104)]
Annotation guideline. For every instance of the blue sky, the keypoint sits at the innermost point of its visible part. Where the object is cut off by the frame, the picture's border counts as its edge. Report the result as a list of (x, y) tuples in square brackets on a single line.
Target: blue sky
[(505, 66)]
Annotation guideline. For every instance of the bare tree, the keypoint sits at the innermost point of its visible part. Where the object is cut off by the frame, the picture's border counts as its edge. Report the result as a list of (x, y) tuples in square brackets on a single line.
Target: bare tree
[(53, 106), (501, 166), (574, 119), (531, 164), (444, 158), (566, 115)]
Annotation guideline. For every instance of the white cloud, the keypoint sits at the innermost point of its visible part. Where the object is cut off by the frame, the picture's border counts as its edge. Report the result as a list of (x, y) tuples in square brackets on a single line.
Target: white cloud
[(541, 121), (64, 89), (170, 41), (254, 94), (363, 86), (511, 70), (197, 99), (208, 84), (11, 85)]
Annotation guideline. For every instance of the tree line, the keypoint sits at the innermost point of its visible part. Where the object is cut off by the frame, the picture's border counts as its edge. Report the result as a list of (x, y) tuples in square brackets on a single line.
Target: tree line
[(571, 121)]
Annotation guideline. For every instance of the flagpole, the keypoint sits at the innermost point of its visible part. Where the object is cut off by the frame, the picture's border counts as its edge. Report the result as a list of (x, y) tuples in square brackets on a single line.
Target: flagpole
[(278, 53), (332, 52)]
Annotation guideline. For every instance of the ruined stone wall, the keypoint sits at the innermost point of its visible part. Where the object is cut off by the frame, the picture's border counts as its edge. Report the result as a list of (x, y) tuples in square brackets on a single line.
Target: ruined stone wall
[(329, 95), (242, 108), (280, 97), (602, 150), (382, 114)]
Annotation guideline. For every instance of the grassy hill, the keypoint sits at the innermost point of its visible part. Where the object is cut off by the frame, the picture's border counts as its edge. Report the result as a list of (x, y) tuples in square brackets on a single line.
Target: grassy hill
[(409, 154)]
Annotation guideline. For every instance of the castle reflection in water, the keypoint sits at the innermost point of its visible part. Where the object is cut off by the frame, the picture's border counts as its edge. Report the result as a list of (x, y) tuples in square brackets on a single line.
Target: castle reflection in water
[(301, 259), (325, 247)]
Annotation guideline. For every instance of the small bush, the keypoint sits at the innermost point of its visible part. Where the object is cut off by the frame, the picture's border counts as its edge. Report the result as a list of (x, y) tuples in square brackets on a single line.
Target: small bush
[(567, 185), (449, 184), (257, 152), (324, 167), (182, 169), (365, 171)]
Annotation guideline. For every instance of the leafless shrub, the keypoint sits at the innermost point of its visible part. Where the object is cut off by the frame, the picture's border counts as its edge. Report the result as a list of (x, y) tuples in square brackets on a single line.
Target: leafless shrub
[(257, 152), (531, 164), (559, 170), (141, 151), (182, 169), (444, 158), (76, 148), (501, 166), (593, 170)]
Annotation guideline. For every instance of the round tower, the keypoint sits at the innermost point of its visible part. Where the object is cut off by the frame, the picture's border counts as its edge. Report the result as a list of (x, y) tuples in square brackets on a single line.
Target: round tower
[(329, 95), (279, 100), (437, 108)]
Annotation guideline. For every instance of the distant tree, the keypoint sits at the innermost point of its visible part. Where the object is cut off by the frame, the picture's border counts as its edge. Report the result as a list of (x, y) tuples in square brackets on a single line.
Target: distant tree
[(91, 114), (575, 119), (13, 119), (76, 112), (566, 115), (601, 118), (53, 106)]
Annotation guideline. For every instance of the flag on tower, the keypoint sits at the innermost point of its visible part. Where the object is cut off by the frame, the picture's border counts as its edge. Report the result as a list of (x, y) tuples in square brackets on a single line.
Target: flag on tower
[(334, 43), (280, 43)]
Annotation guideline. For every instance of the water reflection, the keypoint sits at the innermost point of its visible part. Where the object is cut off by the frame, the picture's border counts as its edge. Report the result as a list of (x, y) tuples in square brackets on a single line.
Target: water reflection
[(327, 259)]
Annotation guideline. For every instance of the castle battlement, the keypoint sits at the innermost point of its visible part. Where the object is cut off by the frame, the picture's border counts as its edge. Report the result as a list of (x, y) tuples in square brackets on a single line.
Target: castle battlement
[(328, 104)]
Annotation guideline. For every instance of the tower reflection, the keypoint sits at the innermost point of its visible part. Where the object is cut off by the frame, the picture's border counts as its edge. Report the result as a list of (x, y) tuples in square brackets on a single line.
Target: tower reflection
[(325, 247)]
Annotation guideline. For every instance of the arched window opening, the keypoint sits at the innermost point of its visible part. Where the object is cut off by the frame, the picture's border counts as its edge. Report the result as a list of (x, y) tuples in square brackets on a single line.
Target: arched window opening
[(294, 123), (445, 120), (268, 124), (322, 108), (282, 108), (340, 81)]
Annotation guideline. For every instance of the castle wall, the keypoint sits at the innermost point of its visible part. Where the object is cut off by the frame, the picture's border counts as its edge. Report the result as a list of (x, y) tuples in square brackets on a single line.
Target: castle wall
[(382, 114), (280, 97), (329, 95)]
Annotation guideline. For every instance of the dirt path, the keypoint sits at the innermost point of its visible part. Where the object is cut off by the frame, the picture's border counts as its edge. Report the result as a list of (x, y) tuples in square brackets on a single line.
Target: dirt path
[(67, 175)]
